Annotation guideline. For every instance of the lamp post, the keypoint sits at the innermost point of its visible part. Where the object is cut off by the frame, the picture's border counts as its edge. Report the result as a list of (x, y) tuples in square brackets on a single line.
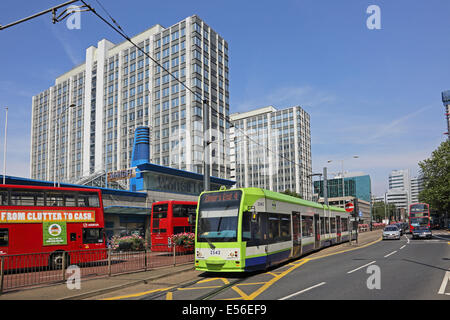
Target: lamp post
[(206, 143), (4, 146)]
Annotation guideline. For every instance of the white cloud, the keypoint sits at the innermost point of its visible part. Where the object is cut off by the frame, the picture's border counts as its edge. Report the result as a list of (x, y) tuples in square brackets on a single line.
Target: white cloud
[(395, 125), (286, 97)]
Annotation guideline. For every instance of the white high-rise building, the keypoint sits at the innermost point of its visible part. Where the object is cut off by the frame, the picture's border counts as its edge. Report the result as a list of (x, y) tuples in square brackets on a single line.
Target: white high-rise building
[(399, 189), (416, 188), (399, 179), (85, 123), (271, 149)]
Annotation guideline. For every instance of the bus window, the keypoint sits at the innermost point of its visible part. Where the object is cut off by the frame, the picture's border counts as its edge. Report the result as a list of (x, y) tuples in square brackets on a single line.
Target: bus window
[(183, 210), (160, 211), (88, 199), (22, 197), (4, 198), (55, 200), (70, 200), (4, 237), (92, 235), (179, 211)]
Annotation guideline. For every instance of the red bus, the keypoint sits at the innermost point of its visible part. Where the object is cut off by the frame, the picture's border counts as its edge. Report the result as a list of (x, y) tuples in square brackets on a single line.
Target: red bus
[(44, 222), (168, 218), (419, 215)]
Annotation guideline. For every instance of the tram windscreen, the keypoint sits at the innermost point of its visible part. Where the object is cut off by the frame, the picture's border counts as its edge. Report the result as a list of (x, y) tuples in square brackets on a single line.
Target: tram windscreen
[(218, 216)]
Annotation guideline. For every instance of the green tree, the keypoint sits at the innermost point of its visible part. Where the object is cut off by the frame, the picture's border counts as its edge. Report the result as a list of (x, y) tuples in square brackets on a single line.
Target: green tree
[(436, 174), (292, 193), (380, 210)]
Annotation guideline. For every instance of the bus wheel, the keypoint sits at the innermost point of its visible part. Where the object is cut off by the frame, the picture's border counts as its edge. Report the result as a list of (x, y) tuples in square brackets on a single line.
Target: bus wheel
[(56, 260)]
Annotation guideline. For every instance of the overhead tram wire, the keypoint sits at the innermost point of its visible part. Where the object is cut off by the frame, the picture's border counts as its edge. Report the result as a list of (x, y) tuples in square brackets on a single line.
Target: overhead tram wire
[(121, 32)]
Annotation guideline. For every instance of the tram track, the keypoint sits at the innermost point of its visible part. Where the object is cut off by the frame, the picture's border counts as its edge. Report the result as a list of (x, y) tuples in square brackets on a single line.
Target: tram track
[(190, 284)]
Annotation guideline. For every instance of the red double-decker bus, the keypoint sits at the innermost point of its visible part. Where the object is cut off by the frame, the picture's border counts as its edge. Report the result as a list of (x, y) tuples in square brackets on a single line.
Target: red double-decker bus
[(169, 218), (39, 224), (419, 215)]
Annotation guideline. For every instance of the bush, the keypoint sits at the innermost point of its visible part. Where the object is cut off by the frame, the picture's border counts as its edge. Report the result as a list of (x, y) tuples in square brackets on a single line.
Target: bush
[(129, 243), (183, 239)]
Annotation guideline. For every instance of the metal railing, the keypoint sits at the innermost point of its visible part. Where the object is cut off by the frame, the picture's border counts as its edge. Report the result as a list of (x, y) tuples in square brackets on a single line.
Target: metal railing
[(28, 270)]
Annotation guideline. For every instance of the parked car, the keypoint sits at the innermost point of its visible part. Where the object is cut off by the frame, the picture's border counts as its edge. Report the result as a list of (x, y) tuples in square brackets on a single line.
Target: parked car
[(422, 232), (391, 232)]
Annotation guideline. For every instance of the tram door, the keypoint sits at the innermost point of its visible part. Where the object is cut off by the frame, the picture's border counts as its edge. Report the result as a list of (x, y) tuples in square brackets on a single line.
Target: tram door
[(338, 228), (316, 231), (296, 234)]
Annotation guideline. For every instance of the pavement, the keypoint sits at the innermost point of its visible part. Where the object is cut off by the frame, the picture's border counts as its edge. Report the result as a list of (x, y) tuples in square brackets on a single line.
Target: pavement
[(98, 286)]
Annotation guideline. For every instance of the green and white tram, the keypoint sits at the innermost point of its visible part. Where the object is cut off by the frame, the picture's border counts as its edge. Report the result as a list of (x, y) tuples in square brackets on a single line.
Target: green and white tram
[(252, 229)]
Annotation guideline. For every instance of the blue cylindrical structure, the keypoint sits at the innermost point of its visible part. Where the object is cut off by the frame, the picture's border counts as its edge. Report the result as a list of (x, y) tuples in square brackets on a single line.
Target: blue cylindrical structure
[(140, 155)]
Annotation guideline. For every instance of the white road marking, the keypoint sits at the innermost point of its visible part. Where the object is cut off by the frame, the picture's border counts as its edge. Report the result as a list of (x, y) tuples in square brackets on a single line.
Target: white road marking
[(302, 291), (403, 247), (361, 267), (390, 254), (444, 283)]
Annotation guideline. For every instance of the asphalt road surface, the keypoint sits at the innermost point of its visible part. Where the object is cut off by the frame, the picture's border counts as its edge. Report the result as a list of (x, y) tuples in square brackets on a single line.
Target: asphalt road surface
[(402, 269)]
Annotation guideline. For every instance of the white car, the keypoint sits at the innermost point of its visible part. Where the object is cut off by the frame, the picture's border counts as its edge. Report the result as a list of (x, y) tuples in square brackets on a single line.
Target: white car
[(391, 232)]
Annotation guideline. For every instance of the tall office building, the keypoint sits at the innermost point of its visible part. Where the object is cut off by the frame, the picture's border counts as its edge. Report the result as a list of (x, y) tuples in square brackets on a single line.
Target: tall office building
[(399, 179), (399, 192), (416, 188), (271, 149), (85, 123)]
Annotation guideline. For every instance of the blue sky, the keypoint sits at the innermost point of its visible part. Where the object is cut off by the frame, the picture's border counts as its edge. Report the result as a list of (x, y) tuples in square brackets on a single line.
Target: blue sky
[(371, 93)]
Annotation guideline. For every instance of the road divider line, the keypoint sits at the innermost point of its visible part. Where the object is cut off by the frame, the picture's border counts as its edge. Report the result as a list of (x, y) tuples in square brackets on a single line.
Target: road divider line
[(275, 279), (444, 283), (302, 291), (361, 267), (390, 254), (403, 247)]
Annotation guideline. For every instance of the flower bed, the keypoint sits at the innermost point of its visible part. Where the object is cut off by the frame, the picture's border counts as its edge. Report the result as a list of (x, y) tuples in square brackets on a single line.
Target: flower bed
[(183, 239), (128, 243)]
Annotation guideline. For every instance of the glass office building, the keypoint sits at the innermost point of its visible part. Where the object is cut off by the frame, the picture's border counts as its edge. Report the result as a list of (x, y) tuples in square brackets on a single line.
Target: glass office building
[(357, 186), (85, 123), (271, 149)]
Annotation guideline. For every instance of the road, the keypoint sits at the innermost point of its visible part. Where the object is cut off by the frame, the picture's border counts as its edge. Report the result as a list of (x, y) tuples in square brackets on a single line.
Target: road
[(391, 269)]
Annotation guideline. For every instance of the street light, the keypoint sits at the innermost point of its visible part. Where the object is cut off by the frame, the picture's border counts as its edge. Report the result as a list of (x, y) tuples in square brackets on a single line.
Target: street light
[(4, 146)]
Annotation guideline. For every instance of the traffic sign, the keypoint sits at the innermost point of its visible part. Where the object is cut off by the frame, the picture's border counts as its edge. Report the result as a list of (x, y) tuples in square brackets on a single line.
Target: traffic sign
[(349, 207)]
